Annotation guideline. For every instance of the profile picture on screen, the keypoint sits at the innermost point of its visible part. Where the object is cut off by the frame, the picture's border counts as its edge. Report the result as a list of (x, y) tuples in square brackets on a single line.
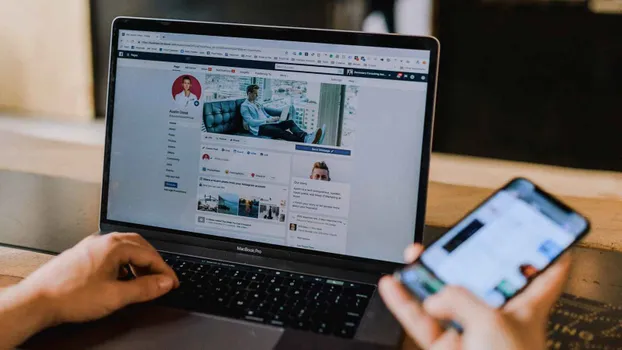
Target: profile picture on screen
[(320, 171), (186, 91)]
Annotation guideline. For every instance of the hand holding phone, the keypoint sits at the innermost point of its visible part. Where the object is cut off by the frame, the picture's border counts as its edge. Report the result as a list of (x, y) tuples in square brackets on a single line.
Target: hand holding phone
[(496, 251), (520, 324)]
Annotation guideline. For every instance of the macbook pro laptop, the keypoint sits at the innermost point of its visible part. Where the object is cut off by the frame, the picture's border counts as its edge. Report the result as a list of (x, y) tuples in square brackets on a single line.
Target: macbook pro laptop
[(277, 240)]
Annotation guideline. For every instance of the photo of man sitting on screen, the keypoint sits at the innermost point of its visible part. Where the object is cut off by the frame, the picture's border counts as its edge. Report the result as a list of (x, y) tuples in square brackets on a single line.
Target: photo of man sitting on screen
[(260, 123)]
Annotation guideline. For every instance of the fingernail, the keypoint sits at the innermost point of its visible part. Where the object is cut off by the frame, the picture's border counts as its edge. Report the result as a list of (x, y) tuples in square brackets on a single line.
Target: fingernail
[(165, 283)]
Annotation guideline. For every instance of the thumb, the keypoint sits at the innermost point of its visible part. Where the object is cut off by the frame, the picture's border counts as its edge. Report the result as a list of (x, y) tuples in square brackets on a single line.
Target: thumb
[(457, 304), (144, 288), (540, 296)]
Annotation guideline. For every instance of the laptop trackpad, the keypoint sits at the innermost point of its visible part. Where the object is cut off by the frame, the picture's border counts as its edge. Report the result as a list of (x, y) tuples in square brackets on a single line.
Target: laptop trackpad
[(152, 327)]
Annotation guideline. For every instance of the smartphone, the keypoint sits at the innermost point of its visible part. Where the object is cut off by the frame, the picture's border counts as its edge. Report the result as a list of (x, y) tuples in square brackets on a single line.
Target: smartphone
[(498, 248)]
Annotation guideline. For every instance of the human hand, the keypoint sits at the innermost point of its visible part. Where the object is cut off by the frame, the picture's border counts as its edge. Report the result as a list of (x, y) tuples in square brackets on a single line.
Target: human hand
[(275, 119), (82, 283), (520, 324)]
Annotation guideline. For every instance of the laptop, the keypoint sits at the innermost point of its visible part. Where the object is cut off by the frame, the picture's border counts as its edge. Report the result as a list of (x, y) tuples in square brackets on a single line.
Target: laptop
[(284, 114), (276, 242)]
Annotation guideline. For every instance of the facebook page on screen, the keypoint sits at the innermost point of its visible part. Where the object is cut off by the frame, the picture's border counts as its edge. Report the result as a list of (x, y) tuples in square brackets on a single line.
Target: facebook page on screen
[(311, 146)]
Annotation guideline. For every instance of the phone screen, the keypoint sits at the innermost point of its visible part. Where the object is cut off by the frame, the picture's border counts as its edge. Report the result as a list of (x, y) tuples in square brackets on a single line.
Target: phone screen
[(497, 249)]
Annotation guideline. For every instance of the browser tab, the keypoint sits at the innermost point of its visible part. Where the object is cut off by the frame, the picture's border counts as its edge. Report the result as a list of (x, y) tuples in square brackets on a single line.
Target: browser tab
[(175, 47)]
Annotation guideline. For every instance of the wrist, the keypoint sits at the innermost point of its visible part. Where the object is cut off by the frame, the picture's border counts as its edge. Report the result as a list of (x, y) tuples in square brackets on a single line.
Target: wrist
[(22, 315), (31, 302)]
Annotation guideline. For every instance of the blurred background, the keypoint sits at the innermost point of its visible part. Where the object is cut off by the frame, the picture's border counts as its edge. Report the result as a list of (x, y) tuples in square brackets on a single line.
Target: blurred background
[(528, 80)]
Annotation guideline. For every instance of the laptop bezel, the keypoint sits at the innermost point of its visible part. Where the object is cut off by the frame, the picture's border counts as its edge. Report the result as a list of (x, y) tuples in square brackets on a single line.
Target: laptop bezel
[(271, 33)]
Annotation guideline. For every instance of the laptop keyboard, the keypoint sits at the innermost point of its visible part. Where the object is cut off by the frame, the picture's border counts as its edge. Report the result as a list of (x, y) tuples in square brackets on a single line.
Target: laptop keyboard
[(268, 296)]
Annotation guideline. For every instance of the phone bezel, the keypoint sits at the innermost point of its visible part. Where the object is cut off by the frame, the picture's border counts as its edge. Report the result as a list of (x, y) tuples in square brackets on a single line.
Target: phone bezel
[(556, 201)]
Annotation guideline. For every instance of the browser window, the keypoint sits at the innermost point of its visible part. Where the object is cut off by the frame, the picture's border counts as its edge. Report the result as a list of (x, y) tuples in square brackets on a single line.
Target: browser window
[(311, 146)]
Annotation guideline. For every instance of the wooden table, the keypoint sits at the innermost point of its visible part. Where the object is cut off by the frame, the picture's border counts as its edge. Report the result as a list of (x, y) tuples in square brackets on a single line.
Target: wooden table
[(457, 184)]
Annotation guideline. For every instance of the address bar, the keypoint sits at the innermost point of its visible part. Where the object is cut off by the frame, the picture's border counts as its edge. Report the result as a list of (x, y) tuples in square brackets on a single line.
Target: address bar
[(299, 68), (183, 44)]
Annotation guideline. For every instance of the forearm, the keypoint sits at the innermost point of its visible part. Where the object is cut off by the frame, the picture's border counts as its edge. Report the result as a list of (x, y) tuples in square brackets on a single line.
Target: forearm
[(22, 314)]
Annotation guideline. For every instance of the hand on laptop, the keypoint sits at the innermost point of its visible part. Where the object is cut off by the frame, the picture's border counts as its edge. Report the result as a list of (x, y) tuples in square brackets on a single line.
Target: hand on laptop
[(83, 284), (520, 324)]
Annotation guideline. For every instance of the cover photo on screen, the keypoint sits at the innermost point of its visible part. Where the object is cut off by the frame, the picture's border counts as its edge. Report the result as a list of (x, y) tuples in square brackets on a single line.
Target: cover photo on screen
[(286, 110)]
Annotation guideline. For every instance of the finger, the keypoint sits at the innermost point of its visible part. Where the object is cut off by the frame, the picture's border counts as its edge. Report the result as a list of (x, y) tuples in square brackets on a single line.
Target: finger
[(457, 304), (421, 327), (142, 289), (136, 238), (120, 241), (449, 340), (538, 298), (139, 240), (145, 259), (412, 252)]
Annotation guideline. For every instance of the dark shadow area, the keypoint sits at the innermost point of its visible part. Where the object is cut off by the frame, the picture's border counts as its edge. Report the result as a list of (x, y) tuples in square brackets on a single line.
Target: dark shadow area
[(537, 82), (107, 330)]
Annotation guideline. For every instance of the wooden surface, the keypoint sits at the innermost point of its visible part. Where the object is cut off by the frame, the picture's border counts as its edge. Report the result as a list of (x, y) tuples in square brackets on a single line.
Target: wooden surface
[(457, 184), (45, 60)]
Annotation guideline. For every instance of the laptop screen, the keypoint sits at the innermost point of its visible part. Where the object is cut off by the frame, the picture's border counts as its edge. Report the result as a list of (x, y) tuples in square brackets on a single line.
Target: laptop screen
[(303, 145)]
